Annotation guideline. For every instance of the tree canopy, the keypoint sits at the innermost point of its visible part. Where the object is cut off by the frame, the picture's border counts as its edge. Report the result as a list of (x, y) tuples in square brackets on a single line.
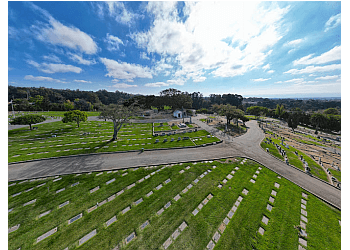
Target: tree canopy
[(75, 116), (257, 110), (119, 114), (28, 120)]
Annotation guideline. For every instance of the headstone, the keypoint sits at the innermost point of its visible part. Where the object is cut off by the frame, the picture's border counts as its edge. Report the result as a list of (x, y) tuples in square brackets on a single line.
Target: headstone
[(110, 181), (303, 218), (87, 237), (302, 225), (43, 214), (277, 185), (29, 202), (177, 197), (303, 242), (273, 192), (126, 210), (303, 206), (47, 234), (159, 186), (167, 243), (303, 212), (14, 195), (222, 227), (229, 177), (226, 221), (205, 201), (269, 207), (195, 212), (57, 179), (102, 203), (124, 174), (251, 180), (74, 184), (271, 199), (14, 228), (167, 181), (77, 217), (167, 205), (145, 224), (182, 226), (245, 191), (63, 204), (261, 230), (185, 190), (131, 186), (303, 201), (230, 214), (304, 195), (211, 245), (147, 176), (58, 191), (92, 209), (189, 186), (111, 220), (112, 197), (120, 192), (160, 211), (265, 220), (196, 181), (94, 189), (216, 237)]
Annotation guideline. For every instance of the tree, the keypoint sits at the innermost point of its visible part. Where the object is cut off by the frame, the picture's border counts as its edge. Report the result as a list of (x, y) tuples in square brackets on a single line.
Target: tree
[(82, 105), (119, 114), (331, 111), (37, 100), (175, 98), (28, 120), (244, 119), (318, 120), (68, 105), (230, 112), (257, 110), (280, 111), (293, 120), (75, 116)]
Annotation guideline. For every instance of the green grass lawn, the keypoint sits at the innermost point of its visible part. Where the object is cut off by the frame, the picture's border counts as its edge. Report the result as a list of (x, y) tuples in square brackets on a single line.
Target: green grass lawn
[(37, 144), (323, 227), (56, 113), (294, 160)]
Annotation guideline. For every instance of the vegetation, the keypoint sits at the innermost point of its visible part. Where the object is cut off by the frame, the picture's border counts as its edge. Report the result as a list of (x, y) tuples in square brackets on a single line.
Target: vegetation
[(91, 137), (28, 120), (323, 227), (257, 111), (75, 116)]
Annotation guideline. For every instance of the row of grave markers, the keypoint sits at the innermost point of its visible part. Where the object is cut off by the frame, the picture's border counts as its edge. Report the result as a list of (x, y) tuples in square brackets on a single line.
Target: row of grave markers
[(303, 221)]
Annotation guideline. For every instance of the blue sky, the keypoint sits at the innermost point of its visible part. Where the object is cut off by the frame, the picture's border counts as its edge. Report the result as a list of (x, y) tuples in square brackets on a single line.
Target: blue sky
[(261, 49)]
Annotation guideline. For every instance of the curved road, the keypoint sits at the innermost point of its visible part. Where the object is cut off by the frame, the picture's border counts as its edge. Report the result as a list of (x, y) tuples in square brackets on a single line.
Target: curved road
[(247, 145)]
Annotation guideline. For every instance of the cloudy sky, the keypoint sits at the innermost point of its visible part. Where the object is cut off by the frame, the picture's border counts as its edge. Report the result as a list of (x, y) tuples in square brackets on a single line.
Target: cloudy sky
[(268, 49)]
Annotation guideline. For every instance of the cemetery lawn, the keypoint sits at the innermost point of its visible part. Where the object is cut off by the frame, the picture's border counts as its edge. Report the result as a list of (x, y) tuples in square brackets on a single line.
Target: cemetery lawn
[(294, 160), (91, 137), (323, 227), (56, 113)]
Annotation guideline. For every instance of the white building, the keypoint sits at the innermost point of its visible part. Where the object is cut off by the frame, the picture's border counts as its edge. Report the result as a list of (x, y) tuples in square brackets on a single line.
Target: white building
[(179, 114)]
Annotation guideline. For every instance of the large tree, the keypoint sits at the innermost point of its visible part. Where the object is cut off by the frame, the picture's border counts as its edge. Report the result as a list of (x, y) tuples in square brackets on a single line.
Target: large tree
[(75, 116), (28, 120), (293, 120), (257, 110), (231, 112), (318, 120), (175, 98), (280, 110), (119, 114)]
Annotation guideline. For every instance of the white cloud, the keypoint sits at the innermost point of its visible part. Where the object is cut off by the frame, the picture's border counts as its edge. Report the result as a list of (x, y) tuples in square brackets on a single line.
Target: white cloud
[(180, 82), (279, 82), (143, 55), (294, 42), (42, 78), (267, 66), (121, 14), (313, 69), (82, 81), (260, 80), (79, 59), (327, 77), (197, 44), (270, 71), (295, 80), (123, 86), (112, 42), (332, 22), (125, 70), (52, 58), (157, 84), (56, 33), (54, 68), (329, 56)]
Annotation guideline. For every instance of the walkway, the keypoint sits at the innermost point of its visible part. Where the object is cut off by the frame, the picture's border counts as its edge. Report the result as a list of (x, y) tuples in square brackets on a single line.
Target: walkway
[(247, 145)]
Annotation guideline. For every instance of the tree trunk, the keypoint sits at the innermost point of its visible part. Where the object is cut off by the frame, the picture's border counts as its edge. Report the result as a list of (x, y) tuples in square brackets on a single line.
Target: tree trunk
[(30, 126)]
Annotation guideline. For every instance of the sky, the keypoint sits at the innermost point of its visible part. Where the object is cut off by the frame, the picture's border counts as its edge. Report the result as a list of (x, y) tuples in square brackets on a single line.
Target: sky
[(255, 49)]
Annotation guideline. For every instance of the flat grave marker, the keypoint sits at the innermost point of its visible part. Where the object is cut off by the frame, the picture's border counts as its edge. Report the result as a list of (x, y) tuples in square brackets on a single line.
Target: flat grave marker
[(303, 242), (303, 206), (189, 186), (92, 208), (63, 204), (111, 220), (87, 237), (47, 234), (230, 214), (269, 207), (205, 201), (145, 224), (226, 221), (222, 227), (177, 197), (261, 230), (304, 195), (200, 206), (138, 201), (74, 184), (303, 201), (273, 192), (62, 189), (149, 194), (29, 202), (14, 228), (131, 186), (245, 191), (277, 185), (75, 218), (252, 181), (185, 190), (120, 192), (167, 181), (265, 220), (167, 243), (167, 205), (216, 237), (183, 226), (159, 186), (303, 218), (271, 199), (94, 189), (160, 211), (210, 245), (43, 214), (175, 234), (303, 212), (126, 210), (110, 181), (195, 212)]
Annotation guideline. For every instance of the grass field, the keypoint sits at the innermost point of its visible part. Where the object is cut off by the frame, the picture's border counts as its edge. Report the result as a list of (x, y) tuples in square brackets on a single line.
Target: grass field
[(294, 160), (71, 140), (55, 113), (323, 228)]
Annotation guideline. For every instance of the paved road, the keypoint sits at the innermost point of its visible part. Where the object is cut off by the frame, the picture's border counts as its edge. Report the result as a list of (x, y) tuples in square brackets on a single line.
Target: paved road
[(246, 145)]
